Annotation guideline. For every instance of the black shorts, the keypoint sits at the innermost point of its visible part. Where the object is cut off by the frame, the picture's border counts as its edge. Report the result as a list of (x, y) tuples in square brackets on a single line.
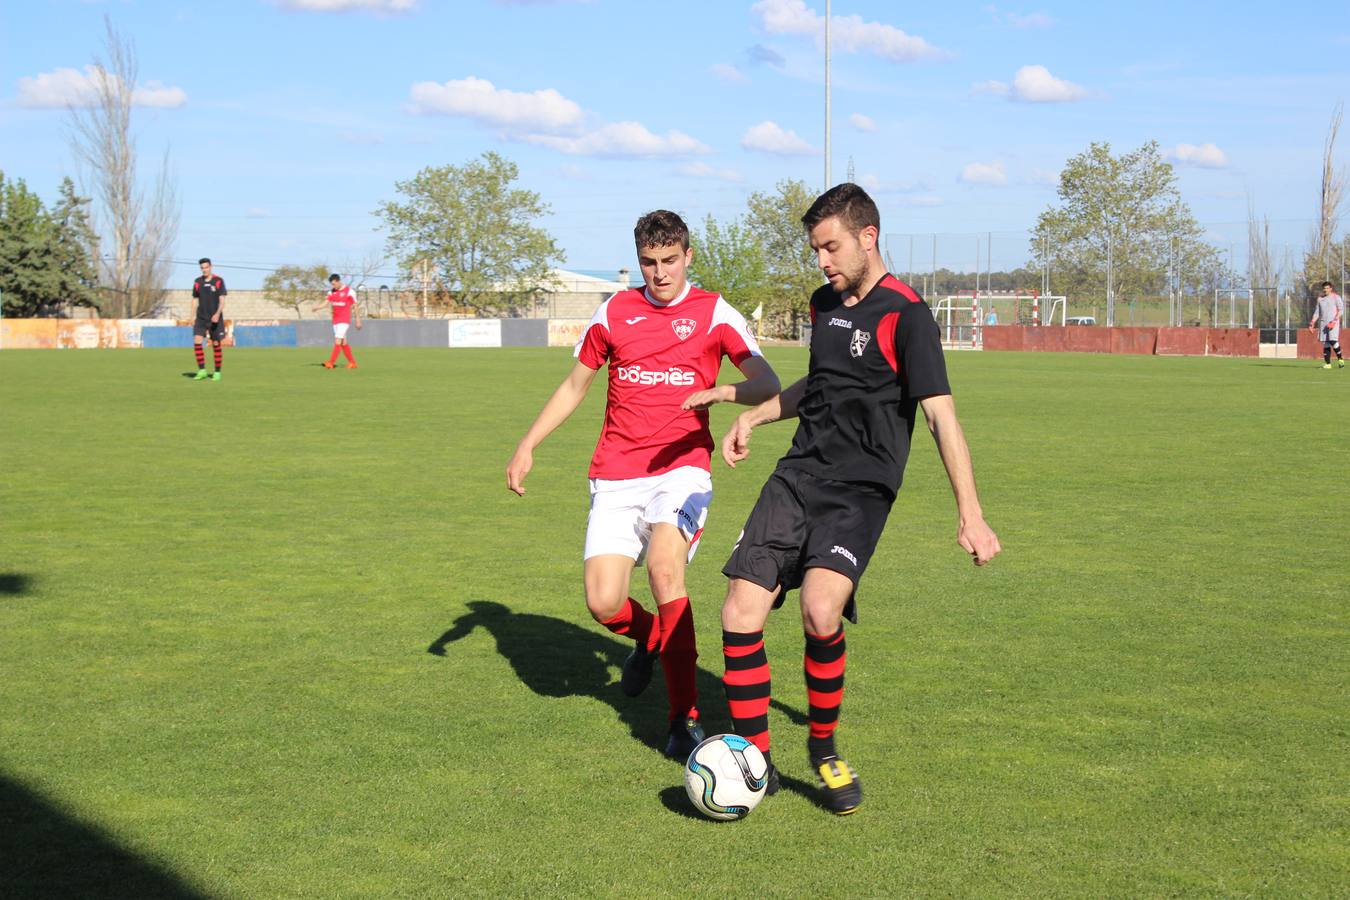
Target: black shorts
[(216, 330), (802, 522)]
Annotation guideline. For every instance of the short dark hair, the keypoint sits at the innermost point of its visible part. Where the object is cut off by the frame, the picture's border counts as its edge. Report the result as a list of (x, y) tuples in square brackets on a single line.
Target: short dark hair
[(659, 228), (850, 203), (204, 259), (335, 277), (1328, 284)]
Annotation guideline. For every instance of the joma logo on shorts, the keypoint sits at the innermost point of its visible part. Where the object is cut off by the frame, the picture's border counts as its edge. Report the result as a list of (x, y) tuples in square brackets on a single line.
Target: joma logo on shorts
[(842, 323), (845, 554), (637, 375)]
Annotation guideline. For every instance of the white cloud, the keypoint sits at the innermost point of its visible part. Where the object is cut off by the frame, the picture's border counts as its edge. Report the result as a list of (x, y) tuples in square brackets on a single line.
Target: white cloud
[(728, 73), (703, 170), (1206, 156), (862, 123), (622, 139), (869, 182), (1020, 21), (1029, 21), (997, 88), (847, 33), (769, 137), (380, 6), (1044, 178), (257, 212), (480, 100), (767, 56), (361, 138), (985, 173), (71, 87), (1034, 84)]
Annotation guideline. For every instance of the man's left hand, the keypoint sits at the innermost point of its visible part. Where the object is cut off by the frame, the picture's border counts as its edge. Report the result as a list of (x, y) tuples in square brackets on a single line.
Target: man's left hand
[(979, 540)]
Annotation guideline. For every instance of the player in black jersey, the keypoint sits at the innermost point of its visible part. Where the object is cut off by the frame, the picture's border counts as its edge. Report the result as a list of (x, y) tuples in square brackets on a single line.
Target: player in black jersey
[(876, 360), (210, 320)]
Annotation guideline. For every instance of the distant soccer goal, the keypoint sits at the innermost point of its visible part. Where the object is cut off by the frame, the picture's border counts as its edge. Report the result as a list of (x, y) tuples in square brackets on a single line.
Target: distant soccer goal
[(963, 316)]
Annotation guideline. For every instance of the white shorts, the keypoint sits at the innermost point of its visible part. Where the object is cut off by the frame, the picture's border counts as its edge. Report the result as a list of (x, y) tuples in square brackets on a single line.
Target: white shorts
[(340, 330), (623, 511)]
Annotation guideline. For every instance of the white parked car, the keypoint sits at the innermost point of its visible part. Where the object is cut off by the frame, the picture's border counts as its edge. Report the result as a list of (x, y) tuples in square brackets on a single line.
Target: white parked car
[(1080, 320)]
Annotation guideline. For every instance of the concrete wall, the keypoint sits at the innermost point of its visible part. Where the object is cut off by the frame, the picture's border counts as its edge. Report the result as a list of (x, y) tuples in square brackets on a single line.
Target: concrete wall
[(253, 305), (1139, 341)]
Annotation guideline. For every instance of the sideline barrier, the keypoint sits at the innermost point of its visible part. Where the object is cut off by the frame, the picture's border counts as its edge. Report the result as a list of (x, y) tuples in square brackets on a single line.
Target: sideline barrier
[(1233, 342), (76, 334), (1310, 345), (1182, 341), (1136, 341), (1139, 341)]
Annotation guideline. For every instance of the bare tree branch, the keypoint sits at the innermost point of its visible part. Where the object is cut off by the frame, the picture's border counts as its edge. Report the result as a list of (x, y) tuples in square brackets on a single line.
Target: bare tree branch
[(138, 237)]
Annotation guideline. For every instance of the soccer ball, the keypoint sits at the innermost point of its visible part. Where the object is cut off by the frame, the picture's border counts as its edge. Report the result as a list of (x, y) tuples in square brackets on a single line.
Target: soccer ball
[(725, 777)]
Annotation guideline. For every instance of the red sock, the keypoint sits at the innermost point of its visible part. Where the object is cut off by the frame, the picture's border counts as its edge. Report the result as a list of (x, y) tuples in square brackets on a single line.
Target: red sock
[(337, 348), (347, 352), (824, 663), (633, 621), (200, 351), (747, 685), (679, 655)]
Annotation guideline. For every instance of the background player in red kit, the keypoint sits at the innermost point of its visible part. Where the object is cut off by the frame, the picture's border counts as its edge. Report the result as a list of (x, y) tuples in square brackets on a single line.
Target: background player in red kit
[(345, 313), (875, 360), (649, 479)]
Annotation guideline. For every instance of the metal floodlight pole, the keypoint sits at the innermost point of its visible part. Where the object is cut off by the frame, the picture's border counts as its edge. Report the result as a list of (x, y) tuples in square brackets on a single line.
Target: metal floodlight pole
[(827, 95)]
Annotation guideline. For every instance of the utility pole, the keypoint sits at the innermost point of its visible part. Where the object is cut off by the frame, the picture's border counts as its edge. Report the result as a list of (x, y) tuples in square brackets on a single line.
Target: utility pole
[(827, 95)]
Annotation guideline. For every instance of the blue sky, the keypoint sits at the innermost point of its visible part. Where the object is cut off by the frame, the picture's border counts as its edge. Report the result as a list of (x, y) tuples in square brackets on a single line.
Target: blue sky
[(288, 121)]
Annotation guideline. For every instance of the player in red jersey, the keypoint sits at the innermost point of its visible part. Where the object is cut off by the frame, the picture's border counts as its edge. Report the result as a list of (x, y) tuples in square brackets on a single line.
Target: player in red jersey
[(876, 361), (345, 312), (649, 478)]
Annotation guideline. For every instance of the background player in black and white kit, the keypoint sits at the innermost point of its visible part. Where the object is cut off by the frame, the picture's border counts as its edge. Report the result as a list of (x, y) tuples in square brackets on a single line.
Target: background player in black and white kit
[(208, 290), (876, 359)]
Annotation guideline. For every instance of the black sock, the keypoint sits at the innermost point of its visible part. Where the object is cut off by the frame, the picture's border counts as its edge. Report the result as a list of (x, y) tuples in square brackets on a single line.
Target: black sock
[(820, 748)]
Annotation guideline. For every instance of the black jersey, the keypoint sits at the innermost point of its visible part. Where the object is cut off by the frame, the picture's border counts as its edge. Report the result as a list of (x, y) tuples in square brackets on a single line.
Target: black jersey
[(207, 292), (870, 364)]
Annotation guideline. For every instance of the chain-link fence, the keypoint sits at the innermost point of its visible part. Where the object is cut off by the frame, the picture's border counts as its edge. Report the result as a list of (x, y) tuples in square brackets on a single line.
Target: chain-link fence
[(1231, 276)]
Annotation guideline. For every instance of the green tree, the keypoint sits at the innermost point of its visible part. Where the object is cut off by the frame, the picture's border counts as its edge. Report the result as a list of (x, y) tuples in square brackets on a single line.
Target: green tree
[(728, 260), (775, 220), (474, 228), (1126, 211), (75, 247), (298, 287), (46, 257)]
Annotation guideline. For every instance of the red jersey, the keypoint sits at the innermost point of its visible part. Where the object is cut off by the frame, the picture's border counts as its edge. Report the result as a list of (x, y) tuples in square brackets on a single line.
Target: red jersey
[(658, 355), (342, 301)]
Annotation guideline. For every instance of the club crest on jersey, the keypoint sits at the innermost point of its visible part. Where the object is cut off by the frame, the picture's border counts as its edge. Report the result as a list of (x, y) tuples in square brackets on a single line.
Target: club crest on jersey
[(859, 342), (683, 327)]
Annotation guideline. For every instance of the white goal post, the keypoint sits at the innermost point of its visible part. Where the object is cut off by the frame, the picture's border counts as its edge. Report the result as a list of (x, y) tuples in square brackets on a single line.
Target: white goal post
[(962, 316)]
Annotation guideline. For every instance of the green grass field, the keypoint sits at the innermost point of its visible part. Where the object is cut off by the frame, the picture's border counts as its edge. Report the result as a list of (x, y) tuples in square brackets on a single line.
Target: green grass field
[(289, 635)]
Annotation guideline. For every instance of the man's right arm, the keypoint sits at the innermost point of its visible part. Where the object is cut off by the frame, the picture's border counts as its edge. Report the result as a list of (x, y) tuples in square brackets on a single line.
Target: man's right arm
[(783, 405), (562, 404)]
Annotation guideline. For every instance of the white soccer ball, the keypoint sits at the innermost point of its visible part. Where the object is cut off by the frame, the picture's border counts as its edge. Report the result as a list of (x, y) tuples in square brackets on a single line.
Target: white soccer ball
[(725, 777)]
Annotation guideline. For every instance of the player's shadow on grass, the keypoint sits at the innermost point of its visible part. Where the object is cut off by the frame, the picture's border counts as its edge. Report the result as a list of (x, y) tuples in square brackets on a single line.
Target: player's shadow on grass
[(45, 852), (15, 583), (557, 658)]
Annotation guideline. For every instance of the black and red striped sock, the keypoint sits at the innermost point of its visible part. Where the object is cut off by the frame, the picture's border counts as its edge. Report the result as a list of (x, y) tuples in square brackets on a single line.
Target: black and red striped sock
[(824, 664), (200, 352), (679, 656), (747, 685), (635, 622), (217, 350)]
